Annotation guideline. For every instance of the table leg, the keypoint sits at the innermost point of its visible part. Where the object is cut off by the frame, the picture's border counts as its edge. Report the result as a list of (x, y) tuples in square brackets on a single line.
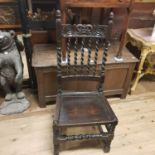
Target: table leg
[(151, 64), (139, 74)]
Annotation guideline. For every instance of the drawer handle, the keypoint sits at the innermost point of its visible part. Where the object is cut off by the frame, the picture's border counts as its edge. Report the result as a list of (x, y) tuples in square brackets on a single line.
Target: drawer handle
[(120, 0)]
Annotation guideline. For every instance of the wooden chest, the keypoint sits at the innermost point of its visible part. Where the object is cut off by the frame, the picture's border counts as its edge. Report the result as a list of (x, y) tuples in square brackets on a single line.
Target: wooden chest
[(117, 77)]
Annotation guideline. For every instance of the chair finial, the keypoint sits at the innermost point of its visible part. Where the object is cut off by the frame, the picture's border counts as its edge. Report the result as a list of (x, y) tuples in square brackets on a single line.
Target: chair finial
[(58, 13), (111, 17)]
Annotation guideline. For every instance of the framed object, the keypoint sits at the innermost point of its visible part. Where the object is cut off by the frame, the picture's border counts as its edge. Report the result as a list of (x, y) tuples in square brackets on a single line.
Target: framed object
[(9, 14), (9, 17)]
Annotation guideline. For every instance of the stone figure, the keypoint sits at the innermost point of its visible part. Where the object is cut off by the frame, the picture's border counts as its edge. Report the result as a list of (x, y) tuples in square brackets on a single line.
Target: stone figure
[(11, 69)]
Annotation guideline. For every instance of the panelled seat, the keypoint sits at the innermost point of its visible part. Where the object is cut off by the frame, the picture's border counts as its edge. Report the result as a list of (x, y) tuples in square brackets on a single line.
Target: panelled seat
[(84, 108)]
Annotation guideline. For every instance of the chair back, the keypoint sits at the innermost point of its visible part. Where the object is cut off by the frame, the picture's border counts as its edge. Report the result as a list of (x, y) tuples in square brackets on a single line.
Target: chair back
[(85, 47)]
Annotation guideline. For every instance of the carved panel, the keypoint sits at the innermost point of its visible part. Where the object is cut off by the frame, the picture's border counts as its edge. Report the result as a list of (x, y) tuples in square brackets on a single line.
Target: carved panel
[(84, 30)]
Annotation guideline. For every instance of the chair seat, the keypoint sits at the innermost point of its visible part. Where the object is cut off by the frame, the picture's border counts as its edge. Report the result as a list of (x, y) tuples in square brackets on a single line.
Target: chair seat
[(84, 109)]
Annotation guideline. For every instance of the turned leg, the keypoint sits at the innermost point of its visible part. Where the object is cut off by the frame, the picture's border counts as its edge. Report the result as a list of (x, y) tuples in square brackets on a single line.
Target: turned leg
[(55, 139), (151, 62), (140, 67), (107, 141), (56, 149)]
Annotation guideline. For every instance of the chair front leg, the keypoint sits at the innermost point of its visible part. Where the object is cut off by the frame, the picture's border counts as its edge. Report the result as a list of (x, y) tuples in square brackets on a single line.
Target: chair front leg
[(107, 141), (107, 144), (55, 139)]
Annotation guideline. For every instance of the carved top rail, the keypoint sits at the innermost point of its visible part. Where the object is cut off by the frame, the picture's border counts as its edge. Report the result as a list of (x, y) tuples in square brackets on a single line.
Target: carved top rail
[(87, 30)]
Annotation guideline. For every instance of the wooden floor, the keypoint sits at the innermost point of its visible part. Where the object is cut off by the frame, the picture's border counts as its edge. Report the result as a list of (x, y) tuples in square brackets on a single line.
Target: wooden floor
[(30, 133)]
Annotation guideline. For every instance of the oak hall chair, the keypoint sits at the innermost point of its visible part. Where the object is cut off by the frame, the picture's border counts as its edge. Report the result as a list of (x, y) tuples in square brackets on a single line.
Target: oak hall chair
[(86, 50)]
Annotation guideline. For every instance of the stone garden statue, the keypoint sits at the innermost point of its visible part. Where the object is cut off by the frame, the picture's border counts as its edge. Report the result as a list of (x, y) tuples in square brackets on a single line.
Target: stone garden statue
[(11, 74)]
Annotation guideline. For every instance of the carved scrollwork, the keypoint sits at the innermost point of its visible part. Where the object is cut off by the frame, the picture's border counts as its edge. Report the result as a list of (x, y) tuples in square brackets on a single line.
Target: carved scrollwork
[(82, 136), (84, 30), (100, 30), (67, 30)]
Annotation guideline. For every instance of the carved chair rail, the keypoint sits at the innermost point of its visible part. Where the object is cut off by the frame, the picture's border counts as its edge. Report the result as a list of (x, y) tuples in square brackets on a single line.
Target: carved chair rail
[(84, 30), (84, 136)]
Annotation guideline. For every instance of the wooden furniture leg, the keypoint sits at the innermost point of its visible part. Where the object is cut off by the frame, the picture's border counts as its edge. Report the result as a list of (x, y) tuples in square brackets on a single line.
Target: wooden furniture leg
[(55, 139), (107, 142), (139, 74), (82, 108)]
